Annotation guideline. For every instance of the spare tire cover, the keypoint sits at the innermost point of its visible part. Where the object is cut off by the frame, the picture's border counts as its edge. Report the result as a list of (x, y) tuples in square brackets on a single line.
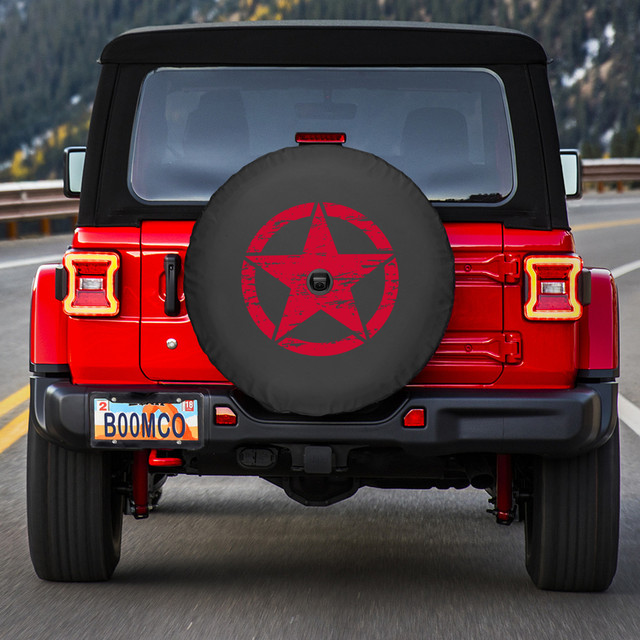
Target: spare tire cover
[(319, 280)]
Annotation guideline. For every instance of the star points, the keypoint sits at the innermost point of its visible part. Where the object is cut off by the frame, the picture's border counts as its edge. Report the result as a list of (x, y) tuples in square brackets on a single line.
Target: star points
[(320, 253)]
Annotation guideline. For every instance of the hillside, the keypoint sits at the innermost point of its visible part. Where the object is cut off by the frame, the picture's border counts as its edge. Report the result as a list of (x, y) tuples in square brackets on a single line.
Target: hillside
[(48, 50)]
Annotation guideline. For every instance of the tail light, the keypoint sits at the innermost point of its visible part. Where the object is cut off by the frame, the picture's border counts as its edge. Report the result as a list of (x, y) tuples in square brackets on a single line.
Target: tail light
[(91, 289), (309, 137), (553, 287)]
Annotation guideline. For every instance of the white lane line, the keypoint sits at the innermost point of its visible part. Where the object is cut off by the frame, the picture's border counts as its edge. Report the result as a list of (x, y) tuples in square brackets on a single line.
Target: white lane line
[(625, 268), (629, 413), (26, 262)]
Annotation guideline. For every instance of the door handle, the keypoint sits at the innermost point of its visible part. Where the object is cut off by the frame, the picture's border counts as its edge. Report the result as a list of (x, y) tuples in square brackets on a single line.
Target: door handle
[(172, 265)]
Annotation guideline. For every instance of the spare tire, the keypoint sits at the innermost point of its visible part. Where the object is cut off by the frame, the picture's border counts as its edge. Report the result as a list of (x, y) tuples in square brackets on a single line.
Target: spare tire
[(319, 280)]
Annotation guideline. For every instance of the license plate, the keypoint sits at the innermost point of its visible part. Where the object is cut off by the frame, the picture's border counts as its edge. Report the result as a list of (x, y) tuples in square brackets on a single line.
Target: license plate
[(156, 422)]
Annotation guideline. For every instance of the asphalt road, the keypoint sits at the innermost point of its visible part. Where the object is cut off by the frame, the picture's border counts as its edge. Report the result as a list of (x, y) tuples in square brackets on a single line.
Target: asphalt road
[(228, 558)]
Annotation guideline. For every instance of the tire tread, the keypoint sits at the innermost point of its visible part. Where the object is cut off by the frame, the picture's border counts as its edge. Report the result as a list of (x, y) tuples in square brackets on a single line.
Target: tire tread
[(74, 517), (573, 520)]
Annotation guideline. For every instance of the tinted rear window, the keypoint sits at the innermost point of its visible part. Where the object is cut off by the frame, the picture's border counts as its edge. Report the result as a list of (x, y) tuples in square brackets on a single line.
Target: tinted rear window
[(447, 129)]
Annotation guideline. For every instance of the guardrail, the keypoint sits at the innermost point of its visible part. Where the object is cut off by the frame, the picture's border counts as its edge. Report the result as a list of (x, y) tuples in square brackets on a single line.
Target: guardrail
[(44, 201), (610, 170)]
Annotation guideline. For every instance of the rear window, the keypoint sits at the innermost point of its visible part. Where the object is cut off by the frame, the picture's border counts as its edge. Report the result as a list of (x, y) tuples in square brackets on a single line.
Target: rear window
[(447, 129)]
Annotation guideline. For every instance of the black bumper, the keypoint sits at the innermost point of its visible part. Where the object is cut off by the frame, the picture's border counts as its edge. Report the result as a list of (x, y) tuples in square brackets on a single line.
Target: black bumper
[(542, 422)]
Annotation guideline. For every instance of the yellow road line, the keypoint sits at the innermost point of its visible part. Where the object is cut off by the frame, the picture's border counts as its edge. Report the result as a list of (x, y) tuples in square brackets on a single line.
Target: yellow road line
[(17, 427), (13, 431), (605, 225), (10, 403)]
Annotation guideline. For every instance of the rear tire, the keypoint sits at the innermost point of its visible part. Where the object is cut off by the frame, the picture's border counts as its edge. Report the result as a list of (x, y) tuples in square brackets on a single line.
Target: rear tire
[(572, 520), (74, 512)]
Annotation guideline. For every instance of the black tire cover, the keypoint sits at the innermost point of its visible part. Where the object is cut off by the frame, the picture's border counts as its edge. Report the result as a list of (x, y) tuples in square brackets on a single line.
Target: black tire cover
[(344, 222)]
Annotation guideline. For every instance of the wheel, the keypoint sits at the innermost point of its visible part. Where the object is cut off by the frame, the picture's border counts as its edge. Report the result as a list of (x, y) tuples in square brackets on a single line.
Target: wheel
[(74, 512), (319, 279), (572, 520)]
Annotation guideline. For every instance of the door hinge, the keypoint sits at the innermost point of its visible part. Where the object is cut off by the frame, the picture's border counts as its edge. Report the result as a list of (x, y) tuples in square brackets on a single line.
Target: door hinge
[(501, 347), (512, 348), (502, 267)]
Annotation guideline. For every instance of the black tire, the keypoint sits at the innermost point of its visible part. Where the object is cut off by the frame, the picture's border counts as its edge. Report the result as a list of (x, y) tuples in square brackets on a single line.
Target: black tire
[(399, 297), (572, 520), (74, 512)]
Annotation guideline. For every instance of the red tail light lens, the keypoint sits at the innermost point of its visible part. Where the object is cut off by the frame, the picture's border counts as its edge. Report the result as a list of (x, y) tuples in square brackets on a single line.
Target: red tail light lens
[(91, 289), (320, 138), (225, 416), (553, 287)]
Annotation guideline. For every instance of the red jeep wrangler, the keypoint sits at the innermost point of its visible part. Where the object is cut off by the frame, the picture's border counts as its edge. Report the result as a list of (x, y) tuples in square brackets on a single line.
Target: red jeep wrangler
[(331, 255)]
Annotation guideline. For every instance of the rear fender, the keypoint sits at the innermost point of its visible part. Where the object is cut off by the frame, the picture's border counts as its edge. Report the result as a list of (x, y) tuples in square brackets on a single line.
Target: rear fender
[(598, 347), (48, 336)]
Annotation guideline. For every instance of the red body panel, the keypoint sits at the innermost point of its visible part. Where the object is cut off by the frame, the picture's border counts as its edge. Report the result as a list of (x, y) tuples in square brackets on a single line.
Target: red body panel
[(548, 347), (488, 342), (465, 355), (106, 351), (48, 322), (187, 362), (598, 327)]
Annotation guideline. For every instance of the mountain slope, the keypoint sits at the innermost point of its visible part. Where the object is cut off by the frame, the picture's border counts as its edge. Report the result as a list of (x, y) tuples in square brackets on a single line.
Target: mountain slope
[(48, 50)]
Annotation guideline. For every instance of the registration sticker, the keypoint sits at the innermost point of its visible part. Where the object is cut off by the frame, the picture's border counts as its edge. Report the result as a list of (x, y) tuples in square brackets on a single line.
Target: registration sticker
[(158, 422)]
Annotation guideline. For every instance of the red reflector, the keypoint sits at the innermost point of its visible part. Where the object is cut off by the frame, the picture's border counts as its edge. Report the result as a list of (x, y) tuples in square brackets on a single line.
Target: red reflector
[(225, 416), (415, 418), (321, 138)]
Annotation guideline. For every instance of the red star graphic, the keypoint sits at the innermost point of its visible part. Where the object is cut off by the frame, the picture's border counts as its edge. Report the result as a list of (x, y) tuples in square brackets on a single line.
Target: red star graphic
[(320, 253)]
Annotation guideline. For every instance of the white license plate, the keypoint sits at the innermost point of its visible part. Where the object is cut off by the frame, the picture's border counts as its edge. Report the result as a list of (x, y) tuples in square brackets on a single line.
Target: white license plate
[(156, 422)]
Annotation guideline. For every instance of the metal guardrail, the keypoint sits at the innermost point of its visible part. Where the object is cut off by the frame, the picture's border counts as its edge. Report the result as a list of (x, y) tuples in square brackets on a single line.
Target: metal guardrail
[(611, 170), (44, 200)]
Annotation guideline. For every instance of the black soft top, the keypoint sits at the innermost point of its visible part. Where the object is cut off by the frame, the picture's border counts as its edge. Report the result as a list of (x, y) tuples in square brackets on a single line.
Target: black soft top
[(324, 43)]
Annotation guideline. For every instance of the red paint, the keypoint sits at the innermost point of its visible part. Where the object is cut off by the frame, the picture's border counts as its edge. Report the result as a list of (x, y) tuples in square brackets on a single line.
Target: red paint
[(529, 241), (598, 327), (319, 254), (48, 343), (106, 350), (488, 308), (186, 363), (163, 461), (477, 309)]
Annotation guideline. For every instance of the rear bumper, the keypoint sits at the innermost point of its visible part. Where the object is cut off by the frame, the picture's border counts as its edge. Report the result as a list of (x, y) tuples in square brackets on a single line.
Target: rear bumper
[(541, 422)]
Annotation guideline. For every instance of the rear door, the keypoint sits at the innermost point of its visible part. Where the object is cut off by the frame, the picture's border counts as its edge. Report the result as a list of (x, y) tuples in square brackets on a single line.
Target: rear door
[(475, 348), (169, 349)]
